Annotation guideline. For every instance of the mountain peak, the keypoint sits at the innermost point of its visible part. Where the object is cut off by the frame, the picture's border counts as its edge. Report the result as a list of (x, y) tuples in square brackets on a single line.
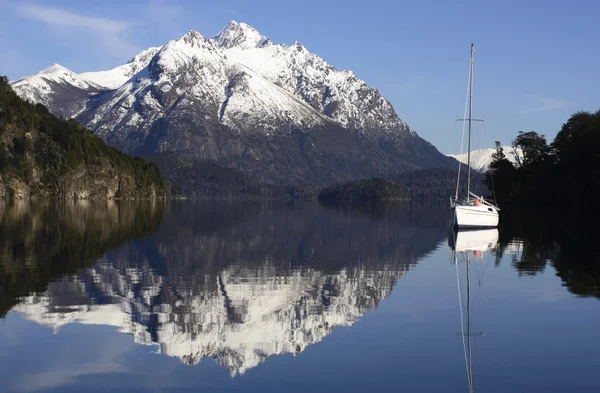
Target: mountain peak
[(53, 69), (144, 54), (240, 35), (55, 73), (192, 37)]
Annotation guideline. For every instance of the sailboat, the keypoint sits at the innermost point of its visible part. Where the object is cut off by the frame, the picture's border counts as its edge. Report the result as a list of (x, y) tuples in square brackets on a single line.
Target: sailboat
[(473, 211), (472, 244)]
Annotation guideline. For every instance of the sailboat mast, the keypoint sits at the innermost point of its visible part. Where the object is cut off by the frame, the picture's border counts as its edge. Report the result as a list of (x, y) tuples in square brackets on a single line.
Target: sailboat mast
[(470, 117)]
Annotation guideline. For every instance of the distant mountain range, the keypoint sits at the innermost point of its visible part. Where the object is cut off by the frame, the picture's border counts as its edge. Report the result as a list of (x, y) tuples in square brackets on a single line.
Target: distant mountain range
[(481, 159), (274, 111)]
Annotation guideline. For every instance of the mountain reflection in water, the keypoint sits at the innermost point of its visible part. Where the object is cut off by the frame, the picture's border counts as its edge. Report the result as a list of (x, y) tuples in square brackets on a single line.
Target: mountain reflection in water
[(234, 281), (43, 241)]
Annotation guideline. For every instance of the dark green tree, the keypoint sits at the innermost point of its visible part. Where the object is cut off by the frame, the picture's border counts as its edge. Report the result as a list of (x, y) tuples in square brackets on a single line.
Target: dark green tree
[(500, 177), (534, 147), (559, 175), (576, 150)]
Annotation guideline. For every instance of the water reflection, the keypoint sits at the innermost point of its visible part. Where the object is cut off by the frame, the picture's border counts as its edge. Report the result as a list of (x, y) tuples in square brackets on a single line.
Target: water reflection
[(43, 241), (470, 246), (534, 241), (240, 282)]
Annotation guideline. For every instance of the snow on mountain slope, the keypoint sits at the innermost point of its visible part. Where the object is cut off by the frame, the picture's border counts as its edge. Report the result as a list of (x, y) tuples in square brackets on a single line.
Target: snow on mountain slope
[(58, 88), (116, 77), (337, 94), (239, 53), (254, 100), (481, 159), (55, 73), (240, 35), (191, 71), (240, 92)]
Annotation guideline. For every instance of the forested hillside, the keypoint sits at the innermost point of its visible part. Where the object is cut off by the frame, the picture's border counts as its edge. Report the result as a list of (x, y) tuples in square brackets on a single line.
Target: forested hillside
[(42, 156)]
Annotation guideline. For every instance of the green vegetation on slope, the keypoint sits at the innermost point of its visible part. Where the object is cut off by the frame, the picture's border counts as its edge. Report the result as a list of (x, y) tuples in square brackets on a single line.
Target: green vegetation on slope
[(438, 183), (42, 156), (195, 178), (364, 190)]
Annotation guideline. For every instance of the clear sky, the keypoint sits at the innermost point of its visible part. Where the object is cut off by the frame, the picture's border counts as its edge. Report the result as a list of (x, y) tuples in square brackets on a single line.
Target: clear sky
[(537, 61)]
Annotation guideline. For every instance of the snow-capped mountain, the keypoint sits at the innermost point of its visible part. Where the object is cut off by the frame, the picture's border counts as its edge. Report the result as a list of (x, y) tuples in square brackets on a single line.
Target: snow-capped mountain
[(482, 158), (61, 90), (274, 110)]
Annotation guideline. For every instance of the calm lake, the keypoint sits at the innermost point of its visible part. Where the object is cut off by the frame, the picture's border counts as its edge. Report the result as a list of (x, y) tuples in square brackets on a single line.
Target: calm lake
[(291, 297)]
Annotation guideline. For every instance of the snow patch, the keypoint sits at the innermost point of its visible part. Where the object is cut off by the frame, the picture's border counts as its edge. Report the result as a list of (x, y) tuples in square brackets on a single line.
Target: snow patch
[(54, 73), (482, 158), (116, 77)]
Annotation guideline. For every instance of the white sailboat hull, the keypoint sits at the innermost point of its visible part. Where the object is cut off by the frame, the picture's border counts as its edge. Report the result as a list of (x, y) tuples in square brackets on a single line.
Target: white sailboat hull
[(472, 216)]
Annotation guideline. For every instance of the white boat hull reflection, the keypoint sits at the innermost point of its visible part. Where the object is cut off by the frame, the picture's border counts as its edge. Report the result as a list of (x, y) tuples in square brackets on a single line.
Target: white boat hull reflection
[(481, 240), (471, 245)]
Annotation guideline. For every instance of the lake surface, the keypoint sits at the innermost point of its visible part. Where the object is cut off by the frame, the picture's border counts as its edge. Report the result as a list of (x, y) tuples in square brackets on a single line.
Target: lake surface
[(265, 296)]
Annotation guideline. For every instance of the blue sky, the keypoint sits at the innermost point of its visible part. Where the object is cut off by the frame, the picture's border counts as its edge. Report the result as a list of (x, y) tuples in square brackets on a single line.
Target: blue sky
[(536, 61)]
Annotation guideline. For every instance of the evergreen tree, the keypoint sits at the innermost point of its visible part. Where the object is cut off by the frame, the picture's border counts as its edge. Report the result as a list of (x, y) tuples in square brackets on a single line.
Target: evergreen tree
[(499, 154)]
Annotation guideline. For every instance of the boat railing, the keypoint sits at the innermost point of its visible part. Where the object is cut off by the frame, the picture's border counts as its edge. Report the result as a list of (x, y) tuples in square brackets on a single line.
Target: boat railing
[(485, 201), (457, 202)]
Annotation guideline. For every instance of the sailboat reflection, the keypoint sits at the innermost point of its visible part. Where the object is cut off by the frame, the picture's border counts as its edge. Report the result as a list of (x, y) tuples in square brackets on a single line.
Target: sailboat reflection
[(471, 246)]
